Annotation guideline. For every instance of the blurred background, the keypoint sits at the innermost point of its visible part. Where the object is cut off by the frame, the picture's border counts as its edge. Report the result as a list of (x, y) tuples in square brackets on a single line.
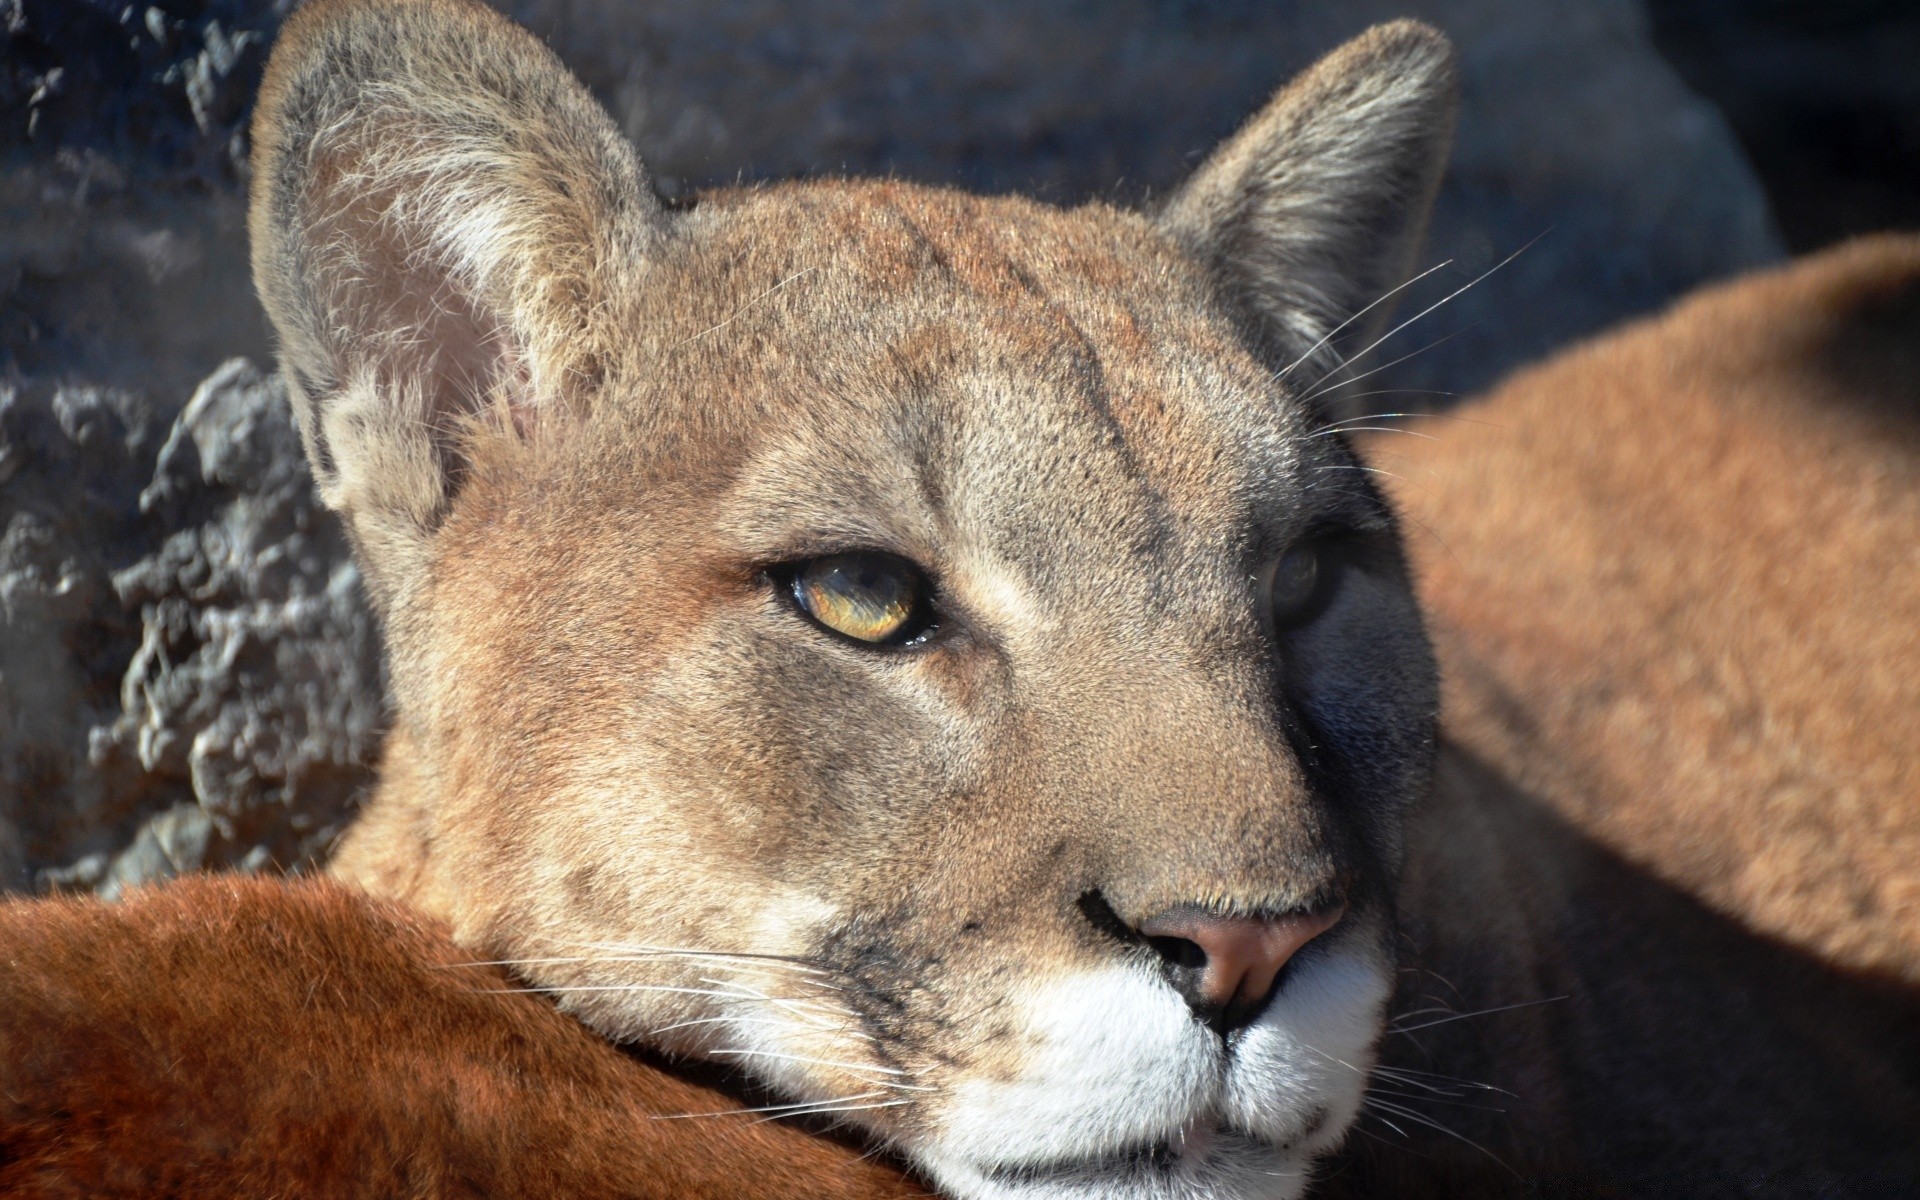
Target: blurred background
[(188, 675)]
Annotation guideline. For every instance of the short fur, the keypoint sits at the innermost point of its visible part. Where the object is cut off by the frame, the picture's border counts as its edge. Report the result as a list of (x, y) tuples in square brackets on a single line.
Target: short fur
[(238, 1038)]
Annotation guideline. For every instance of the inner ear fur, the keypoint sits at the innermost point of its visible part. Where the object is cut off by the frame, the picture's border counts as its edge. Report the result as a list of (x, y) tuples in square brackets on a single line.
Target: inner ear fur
[(438, 210), (1315, 209)]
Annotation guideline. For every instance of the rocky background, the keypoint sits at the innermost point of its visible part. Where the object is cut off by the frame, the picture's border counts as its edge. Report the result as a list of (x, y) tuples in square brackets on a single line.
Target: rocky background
[(188, 673)]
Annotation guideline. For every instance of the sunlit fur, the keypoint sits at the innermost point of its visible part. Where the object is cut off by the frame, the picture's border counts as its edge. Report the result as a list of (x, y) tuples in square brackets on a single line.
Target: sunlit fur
[(228, 1038)]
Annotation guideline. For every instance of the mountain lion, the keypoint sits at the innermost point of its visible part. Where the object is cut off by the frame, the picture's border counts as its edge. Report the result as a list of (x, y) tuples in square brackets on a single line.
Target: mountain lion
[(903, 642), (929, 651)]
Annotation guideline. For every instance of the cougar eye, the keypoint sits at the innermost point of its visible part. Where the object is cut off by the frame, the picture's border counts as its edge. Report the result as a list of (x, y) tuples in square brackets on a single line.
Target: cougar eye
[(1296, 585), (867, 596)]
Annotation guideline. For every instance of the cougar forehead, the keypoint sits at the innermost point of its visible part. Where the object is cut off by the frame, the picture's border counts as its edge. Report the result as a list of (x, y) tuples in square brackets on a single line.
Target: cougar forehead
[(1085, 892)]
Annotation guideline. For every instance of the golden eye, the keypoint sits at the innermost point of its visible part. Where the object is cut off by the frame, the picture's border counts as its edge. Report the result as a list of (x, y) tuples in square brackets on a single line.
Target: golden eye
[(1293, 585), (866, 596)]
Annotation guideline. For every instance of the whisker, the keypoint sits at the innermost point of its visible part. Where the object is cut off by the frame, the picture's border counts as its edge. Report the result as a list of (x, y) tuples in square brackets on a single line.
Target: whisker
[(1418, 1118), (801, 1058), (1324, 386), (1478, 1013), (782, 962), (798, 1007), (563, 990), (504, 962), (823, 1111), (1410, 1098), (1389, 1124), (1330, 334), (1449, 297), (776, 1109), (1378, 471), (1424, 416), (738, 312), (1395, 391), (1333, 432), (1446, 1085), (1421, 1012), (856, 1033)]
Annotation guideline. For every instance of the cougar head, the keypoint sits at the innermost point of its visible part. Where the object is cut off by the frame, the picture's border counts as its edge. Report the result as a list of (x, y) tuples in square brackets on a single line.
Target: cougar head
[(922, 648)]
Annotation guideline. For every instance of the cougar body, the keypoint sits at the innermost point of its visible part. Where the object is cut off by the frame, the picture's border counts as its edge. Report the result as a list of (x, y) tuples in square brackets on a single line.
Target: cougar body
[(1673, 580), (226, 1038)]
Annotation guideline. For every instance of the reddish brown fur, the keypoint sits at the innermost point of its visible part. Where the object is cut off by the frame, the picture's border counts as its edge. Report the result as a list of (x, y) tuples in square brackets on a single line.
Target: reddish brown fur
[(236, 1037)]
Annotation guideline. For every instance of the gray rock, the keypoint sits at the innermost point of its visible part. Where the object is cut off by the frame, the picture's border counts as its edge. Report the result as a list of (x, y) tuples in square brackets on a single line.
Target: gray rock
[(188, 675), (189, 672), (1576, 138)]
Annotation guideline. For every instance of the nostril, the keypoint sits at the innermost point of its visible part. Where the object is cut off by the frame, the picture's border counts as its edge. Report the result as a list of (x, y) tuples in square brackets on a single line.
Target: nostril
[(1227, 967), (1180, 952)]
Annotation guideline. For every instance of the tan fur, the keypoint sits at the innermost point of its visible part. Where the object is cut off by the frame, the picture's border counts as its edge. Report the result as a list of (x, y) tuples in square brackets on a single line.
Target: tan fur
[(1674, 583), (1690, 556), (240, 1038)]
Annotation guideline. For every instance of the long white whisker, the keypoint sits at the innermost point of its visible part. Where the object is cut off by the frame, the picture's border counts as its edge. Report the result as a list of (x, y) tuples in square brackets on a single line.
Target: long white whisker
[(801, 1058), (1358, 355), (1447, 1084), (1479, 1013), (1421, 1012), (777, 1024), (738, 312), (822, 1111), (1416, 1099), (1419, 1118), (776, 1109), (506, 962), (1324, 386), (624, 952), (1387, 415), (1330, 334), (563, 990), (1389, 1125), (1332, 432)]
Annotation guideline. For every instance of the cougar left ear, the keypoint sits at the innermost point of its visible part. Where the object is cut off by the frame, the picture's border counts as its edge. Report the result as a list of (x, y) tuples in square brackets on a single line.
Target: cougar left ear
[(1314, 210)]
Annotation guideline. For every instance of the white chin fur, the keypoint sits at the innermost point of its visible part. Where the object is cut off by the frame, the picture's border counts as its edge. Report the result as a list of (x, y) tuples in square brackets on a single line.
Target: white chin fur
[(1111, 1063)]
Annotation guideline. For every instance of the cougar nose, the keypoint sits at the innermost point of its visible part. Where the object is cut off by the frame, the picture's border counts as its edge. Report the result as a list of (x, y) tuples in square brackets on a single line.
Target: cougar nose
[(1225, 966)]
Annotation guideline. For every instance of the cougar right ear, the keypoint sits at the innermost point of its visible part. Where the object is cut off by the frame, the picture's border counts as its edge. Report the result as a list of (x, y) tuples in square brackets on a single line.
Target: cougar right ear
[(438, 209), (1312, 213)]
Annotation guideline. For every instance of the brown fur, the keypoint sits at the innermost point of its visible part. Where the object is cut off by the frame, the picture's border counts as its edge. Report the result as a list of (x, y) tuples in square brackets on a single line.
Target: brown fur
[(1675, 588), (234, 1037)]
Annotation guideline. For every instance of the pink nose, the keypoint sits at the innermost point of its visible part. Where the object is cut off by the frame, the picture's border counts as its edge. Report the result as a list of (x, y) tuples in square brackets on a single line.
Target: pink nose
[(1228, 964)]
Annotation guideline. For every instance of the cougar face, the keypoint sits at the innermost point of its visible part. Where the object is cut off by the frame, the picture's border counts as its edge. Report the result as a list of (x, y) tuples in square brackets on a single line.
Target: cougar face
[(916, 647)]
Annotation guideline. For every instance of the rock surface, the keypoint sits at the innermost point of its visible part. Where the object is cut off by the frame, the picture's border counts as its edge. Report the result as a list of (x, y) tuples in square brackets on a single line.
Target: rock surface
[(191, 675), (188, 675)]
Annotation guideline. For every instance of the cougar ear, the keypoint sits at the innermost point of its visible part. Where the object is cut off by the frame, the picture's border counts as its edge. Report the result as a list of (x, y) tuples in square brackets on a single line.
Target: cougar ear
[(438, 210), (1315, 209)]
